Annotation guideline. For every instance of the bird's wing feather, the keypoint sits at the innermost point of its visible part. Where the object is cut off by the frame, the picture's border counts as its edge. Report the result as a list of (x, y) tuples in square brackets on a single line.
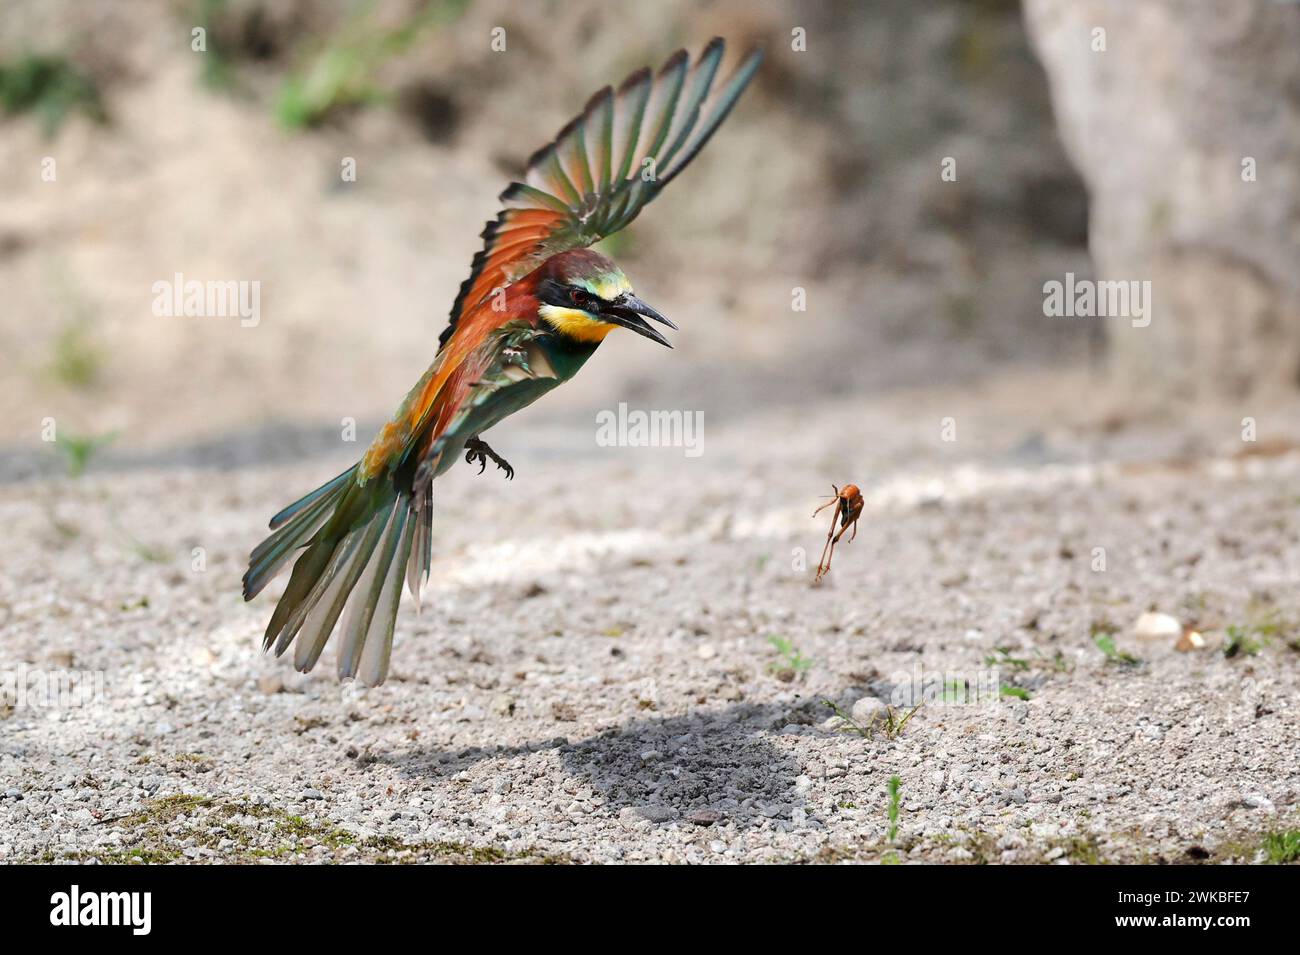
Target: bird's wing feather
[(602, 169)]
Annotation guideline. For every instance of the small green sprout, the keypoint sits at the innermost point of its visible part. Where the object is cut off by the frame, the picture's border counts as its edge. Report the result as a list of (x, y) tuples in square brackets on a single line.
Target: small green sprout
[(1241, 642), (791, 659), (1003, 658), (891, 813), (1059, 663), (895, 784), (50, 87), (1282, 846), (77, 360), (77, 450), (1106, 644)]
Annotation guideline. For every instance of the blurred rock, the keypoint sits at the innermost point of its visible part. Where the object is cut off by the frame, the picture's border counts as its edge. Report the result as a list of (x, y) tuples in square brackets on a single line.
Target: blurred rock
[(1157, 626), (1186, 128)]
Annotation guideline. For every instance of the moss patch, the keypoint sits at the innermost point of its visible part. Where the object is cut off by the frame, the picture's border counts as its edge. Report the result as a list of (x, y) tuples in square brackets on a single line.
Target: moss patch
[(160, 832)]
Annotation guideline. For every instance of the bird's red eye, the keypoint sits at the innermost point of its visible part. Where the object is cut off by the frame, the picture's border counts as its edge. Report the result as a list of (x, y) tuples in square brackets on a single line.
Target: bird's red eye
[(579, 297)]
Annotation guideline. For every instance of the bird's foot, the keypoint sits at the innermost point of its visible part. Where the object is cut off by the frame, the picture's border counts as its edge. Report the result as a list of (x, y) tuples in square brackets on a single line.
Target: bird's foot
[(477, 452)]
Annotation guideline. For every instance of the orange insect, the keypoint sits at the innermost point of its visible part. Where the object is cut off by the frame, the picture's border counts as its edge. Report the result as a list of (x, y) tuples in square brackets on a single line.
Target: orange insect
[(850, 503)]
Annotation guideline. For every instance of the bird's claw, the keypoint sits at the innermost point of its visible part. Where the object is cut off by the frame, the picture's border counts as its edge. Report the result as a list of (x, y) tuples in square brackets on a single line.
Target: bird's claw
[(477, 452)]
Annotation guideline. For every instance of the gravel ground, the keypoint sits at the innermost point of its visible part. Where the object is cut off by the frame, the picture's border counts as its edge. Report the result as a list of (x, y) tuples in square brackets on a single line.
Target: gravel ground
[(594, 676)]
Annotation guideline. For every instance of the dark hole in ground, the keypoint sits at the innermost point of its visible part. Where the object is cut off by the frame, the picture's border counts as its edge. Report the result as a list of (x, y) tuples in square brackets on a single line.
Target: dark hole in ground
[(432, 110)]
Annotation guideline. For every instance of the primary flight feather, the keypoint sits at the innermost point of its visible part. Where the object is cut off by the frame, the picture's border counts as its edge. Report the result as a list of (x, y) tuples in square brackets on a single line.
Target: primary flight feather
[(536, 305)]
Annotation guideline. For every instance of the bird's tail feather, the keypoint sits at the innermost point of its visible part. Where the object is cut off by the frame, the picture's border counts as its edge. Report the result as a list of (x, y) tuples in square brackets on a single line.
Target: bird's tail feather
[(367, 638), (330, 490), (358, 543), (417, 567), (293, 526)]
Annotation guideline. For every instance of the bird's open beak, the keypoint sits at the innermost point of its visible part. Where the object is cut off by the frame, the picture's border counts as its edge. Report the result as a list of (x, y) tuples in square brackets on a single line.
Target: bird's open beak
[(628, 310)]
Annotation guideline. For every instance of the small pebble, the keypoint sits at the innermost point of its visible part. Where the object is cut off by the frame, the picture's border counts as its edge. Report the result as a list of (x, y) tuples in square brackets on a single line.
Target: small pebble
[(869, 709), (1157, 626), (656, 814), (270, 684)]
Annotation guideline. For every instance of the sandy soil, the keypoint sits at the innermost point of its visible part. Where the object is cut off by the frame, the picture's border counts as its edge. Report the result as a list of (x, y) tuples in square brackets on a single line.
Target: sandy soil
[(593, 676)]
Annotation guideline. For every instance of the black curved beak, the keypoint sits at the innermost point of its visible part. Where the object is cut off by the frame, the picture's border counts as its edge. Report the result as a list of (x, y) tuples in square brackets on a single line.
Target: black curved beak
[(630, 312)]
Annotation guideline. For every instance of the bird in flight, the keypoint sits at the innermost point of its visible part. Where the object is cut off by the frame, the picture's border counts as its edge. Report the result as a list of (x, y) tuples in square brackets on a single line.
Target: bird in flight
[(537, 304)]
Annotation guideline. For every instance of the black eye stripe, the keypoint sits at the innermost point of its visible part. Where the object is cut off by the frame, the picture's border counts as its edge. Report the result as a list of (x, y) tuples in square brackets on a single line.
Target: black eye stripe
[(553, 293), (568, 296)]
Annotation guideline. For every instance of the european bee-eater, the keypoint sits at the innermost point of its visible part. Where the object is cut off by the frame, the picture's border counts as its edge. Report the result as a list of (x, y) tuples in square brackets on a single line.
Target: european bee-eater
[(537, 304)]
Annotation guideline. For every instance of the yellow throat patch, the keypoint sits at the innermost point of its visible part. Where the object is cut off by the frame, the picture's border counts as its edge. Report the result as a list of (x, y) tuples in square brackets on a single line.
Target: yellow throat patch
[(576, 324)]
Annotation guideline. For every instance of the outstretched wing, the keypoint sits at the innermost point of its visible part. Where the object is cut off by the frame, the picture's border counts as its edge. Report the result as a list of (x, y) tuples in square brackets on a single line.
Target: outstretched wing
[(603, 167)]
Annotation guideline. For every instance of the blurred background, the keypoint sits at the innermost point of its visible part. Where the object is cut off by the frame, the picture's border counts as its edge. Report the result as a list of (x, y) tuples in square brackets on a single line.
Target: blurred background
[(225, 164)]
